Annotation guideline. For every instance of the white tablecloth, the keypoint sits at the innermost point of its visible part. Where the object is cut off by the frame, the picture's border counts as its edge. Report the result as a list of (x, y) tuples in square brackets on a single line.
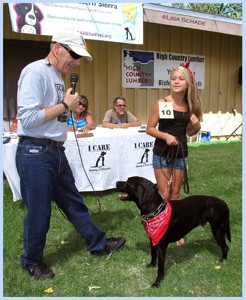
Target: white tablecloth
[(110, 155)]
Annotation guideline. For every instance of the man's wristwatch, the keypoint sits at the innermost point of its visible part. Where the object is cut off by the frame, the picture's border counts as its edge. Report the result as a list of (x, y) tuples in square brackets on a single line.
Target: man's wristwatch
[(65, 106)]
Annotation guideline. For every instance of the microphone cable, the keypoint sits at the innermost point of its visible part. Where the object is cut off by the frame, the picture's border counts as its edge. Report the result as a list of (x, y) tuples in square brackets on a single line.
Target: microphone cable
[(51, 51), (83, 167)]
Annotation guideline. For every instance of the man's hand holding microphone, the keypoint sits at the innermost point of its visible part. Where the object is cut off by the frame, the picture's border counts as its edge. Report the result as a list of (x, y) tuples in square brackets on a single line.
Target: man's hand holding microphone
[(72, 100), (70, 103)]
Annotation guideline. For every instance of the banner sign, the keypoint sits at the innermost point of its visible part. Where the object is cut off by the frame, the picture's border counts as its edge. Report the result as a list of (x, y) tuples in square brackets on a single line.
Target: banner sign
[(192, 20), (145, 69), (116, 22)]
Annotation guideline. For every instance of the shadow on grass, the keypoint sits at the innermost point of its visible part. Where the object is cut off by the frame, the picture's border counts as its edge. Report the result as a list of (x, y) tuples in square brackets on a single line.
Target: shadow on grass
[(98, 193), (60, 253), (108, 219), (105, 220), (179, 255)]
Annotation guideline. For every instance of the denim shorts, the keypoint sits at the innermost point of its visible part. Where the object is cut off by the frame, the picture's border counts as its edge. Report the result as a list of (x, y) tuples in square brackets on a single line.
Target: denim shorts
[(160, 162)]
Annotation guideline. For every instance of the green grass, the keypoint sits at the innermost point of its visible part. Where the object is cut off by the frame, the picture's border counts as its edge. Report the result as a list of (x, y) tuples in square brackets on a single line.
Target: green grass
[(215, 168)]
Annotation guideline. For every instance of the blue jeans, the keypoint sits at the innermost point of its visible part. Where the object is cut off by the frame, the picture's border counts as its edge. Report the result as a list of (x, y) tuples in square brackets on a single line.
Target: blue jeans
[(160, 162), (45, 175)]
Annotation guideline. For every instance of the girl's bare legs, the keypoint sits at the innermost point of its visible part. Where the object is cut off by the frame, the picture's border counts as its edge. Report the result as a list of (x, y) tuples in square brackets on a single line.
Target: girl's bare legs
[(172, 191), (162, 177)]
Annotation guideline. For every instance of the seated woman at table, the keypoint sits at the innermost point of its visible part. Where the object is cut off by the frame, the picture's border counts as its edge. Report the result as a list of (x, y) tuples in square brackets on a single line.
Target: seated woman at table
[(118, 117), (81, 118), (13, 127)]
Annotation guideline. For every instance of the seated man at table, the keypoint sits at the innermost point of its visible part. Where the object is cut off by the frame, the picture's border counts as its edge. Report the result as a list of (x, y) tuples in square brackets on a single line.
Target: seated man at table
[(118, 117)]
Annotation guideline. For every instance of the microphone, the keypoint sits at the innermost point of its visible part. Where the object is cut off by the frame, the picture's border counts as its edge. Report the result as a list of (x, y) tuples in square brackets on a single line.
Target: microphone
[(48, 64), (73, 80)]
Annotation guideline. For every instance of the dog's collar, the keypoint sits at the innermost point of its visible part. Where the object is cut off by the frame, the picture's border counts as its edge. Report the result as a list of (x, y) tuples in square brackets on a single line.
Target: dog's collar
[(157, 226), (151, 215)]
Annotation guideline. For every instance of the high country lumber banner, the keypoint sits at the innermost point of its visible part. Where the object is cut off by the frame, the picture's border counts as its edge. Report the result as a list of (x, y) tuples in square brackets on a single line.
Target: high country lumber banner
[(114, 22), (145, 69)]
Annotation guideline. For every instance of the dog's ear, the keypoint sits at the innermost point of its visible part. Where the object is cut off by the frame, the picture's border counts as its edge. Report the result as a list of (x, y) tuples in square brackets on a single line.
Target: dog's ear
[(146, 190), (38, 13), (143, 192), (17, 8)]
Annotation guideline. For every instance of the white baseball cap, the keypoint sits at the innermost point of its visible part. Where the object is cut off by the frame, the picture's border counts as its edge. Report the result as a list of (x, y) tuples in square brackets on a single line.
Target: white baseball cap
[(72, 38)]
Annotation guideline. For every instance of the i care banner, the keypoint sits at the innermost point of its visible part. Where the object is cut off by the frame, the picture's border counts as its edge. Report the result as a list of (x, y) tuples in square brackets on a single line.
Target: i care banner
[(113, 22), (152, 69)]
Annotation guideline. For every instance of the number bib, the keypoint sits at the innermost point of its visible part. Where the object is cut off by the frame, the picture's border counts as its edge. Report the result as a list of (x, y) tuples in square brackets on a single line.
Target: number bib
[(166, 110)]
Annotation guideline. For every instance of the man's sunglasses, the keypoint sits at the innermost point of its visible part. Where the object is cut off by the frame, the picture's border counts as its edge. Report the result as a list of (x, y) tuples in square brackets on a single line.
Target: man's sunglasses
[(71, 52), (82, 104)]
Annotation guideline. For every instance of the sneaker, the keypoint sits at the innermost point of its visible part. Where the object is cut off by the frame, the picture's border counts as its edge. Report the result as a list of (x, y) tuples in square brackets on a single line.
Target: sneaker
[(41, 271), (112, 244)]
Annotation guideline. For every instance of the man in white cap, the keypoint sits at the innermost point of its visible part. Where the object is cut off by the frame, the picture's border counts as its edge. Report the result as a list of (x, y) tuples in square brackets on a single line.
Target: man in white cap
[(43, 168)]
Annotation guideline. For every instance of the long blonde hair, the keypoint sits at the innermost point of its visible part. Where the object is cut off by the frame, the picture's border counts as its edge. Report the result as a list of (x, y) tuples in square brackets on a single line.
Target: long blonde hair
[(193, 94)]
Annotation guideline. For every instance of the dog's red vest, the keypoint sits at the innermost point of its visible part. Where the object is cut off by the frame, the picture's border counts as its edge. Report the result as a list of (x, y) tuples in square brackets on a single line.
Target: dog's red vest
[(157, 226)]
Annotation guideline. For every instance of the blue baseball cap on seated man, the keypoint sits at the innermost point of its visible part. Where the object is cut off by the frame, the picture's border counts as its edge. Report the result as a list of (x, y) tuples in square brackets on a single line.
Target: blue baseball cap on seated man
[(72, 38)]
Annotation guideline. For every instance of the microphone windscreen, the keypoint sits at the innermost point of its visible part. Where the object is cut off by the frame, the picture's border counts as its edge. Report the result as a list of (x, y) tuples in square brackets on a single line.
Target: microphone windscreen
[(74, 77), (73, 80)]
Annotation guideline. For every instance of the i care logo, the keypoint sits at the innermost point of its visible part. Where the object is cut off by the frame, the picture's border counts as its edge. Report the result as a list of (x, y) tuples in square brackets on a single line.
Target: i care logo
[(144, 158), (98, 148), (101, 151)]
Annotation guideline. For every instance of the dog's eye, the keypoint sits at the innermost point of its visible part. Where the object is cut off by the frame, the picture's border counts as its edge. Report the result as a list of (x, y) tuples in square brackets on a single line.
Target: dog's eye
[(36, 11), (26, 8)]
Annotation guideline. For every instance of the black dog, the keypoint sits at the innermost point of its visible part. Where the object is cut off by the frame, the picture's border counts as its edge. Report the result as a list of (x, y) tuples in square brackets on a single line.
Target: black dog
[(186, 214), (29, 17)]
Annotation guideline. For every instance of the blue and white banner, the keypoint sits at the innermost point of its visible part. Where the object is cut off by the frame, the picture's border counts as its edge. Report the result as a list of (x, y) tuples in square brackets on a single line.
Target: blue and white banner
[(152, 69), (116, 22)]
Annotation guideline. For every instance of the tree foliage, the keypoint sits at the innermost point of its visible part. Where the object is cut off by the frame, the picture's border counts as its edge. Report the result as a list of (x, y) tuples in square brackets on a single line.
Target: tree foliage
[(230, 10)]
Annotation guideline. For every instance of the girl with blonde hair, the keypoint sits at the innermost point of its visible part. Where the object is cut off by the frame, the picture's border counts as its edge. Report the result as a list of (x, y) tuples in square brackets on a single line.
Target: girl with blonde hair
[(177, 115)]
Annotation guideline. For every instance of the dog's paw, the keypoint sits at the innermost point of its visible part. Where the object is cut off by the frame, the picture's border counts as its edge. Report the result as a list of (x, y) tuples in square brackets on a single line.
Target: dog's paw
[(221, 259), (151, 265), (155, 285)]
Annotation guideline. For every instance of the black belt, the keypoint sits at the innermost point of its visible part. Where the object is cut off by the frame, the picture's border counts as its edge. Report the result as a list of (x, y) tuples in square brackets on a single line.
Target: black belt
[(41, 141)]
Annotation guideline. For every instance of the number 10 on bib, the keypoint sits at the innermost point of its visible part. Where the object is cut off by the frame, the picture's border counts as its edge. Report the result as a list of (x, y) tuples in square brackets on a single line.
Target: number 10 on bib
[(166, 110)]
